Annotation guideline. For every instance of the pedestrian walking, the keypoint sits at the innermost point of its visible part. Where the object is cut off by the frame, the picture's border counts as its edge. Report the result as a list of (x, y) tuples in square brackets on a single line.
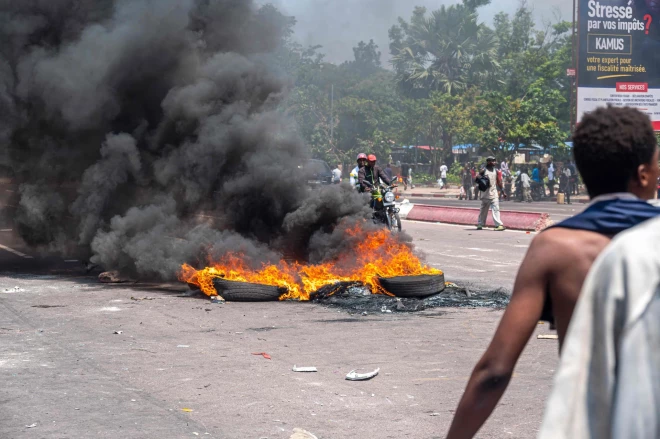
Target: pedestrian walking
[(543, 173), (508, 184), (336, 174), (443, 174), (565, 183), (526, 184), (573, 180), (489, 195), (551, 178), (504, 167), (467, 182)]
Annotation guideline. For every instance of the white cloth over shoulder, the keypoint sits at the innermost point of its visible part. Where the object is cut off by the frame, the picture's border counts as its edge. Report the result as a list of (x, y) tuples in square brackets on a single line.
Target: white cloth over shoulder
[(354, 176), (608, 382)]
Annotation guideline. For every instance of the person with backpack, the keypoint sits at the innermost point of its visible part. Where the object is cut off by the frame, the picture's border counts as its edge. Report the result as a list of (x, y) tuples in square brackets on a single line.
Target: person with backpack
[(489, 181)]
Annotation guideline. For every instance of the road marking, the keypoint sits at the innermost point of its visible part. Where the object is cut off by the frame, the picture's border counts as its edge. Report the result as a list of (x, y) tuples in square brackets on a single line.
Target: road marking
[(5, 230), (482, 249), (16, 252)]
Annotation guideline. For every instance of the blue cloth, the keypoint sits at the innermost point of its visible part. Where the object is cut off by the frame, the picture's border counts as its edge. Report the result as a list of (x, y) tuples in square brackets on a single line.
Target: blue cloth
[(611, 217), (535, 175)]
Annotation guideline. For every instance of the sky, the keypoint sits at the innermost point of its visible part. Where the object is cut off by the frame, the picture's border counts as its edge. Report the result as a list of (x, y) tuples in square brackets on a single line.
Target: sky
[(338, 25)]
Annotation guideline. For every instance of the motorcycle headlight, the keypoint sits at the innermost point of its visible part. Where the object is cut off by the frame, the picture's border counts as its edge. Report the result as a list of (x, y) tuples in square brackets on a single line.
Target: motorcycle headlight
[(389, 197)]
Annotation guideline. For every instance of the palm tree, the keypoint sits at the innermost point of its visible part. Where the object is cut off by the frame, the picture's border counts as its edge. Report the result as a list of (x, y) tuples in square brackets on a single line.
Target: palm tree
[(446, 51)]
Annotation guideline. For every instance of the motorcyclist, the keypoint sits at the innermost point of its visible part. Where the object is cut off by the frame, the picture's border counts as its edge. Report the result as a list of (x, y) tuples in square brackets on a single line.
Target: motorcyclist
[(361, 162), (369, 175)]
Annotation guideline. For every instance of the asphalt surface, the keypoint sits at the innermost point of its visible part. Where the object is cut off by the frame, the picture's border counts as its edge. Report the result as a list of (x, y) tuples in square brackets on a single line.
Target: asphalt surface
[(80, 359), (557, 212)]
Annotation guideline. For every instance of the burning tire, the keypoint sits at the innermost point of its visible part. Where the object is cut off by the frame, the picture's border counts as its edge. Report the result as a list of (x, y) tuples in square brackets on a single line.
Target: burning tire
[(233, 291), (414, 286)]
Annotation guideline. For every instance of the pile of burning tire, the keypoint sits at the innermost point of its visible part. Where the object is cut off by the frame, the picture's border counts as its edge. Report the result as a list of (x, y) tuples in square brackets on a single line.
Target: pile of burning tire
[(400, 286)]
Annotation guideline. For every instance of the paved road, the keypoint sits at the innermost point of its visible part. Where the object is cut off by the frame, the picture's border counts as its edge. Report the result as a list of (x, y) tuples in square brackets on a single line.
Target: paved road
[(483, 259), (68, 374), (556, 211), (79, 359)]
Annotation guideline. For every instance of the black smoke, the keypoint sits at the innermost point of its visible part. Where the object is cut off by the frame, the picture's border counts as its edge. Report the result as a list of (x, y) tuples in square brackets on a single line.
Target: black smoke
[(144, 134)]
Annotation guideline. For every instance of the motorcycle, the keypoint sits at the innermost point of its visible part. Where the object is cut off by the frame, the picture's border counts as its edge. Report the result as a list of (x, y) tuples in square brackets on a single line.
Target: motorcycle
[(384, 208), (538, 193)]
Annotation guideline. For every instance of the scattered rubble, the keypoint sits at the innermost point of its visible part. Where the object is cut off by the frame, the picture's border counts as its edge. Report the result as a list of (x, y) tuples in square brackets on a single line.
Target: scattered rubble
[(354, 376), (263, 354), (299, 433), (304, 369), (112, 277)]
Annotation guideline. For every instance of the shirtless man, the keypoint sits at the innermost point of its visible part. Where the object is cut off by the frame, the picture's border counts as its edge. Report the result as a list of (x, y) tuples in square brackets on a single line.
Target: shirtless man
[(617, 155)]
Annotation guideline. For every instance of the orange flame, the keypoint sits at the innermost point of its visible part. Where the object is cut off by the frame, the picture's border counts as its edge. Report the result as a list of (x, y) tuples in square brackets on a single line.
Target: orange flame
[(378, 254)]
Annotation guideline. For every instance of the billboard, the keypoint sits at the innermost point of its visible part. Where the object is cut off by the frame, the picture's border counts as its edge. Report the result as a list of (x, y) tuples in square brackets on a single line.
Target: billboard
[(619, 56)]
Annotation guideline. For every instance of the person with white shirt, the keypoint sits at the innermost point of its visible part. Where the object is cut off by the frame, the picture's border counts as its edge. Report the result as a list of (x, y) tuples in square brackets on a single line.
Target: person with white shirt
[(551, 276), (361, 162), (526, 183), (504, 167), (336, 174), (608, 382), (551, 178), (443, 175)]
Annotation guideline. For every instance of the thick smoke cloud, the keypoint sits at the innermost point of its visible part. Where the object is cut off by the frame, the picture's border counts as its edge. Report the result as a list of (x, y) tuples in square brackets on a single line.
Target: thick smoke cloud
[(338, 25), (146, 134)]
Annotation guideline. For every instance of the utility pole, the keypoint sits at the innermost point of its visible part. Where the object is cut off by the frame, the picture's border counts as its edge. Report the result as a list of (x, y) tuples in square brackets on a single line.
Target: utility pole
[(332, 117), (573, 116)]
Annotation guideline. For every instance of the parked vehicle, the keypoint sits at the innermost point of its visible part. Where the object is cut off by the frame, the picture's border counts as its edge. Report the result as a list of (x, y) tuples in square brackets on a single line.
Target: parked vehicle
[(317, 172)]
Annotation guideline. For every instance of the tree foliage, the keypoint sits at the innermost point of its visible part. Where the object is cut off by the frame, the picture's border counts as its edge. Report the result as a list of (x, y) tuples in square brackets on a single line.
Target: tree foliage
[(453, 80)]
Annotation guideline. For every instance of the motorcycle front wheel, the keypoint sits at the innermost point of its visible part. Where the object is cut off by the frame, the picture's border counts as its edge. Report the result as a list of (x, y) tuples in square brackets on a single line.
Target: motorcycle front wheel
[(393, 222)]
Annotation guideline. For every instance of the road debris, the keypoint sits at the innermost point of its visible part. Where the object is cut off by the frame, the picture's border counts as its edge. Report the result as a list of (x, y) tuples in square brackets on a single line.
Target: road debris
[(111, 277), (186, 409), (354, 376), (31, 426), (548, 337), (138, 299), (218, 299), (435, 414), (263, 354), (299, 433), (118, 332), (182, 346), (304, 369), (13, 290)]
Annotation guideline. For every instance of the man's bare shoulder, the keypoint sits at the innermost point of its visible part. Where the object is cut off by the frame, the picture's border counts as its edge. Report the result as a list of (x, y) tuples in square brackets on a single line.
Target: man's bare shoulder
[(560, 244)]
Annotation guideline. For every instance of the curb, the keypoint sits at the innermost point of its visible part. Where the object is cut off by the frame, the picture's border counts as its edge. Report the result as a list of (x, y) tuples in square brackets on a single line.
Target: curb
[(417, 195), (515, 220)]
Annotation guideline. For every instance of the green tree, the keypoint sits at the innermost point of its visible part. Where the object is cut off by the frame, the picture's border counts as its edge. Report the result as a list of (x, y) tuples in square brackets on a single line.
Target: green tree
[(505, 123), (367, 59), (448, 50)]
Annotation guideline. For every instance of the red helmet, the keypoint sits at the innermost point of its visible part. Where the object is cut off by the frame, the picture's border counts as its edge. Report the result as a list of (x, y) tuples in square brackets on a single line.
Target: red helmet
[(361, 156), (371, 158)]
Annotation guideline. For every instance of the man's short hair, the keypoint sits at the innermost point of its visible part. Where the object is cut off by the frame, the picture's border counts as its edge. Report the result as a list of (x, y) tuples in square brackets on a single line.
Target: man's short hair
[(609, 145)]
